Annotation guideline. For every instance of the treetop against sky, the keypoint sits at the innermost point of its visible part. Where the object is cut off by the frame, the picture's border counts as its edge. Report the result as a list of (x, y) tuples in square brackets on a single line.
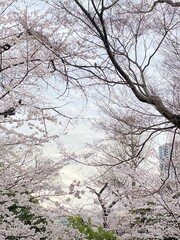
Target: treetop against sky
[(69, 47)]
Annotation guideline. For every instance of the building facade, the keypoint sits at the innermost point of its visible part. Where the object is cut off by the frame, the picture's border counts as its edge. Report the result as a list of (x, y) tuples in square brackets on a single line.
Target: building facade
[(169, 161)]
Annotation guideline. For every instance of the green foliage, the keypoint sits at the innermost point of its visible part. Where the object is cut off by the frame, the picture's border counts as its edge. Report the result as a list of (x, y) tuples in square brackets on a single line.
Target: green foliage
[(142, 215), (177, 195), (25, 213), (89, 232), (141, 211)]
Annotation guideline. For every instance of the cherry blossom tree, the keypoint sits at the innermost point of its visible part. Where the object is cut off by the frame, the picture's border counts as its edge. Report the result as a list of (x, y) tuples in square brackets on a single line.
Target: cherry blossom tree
[(28, 183), (32, 96), (129, 195), (30, 100), (125, 48), (146, 210), (130, 48)]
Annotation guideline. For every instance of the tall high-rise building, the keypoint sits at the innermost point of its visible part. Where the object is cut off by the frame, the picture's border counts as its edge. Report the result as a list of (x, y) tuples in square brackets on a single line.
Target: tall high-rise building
[(170, 160)]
